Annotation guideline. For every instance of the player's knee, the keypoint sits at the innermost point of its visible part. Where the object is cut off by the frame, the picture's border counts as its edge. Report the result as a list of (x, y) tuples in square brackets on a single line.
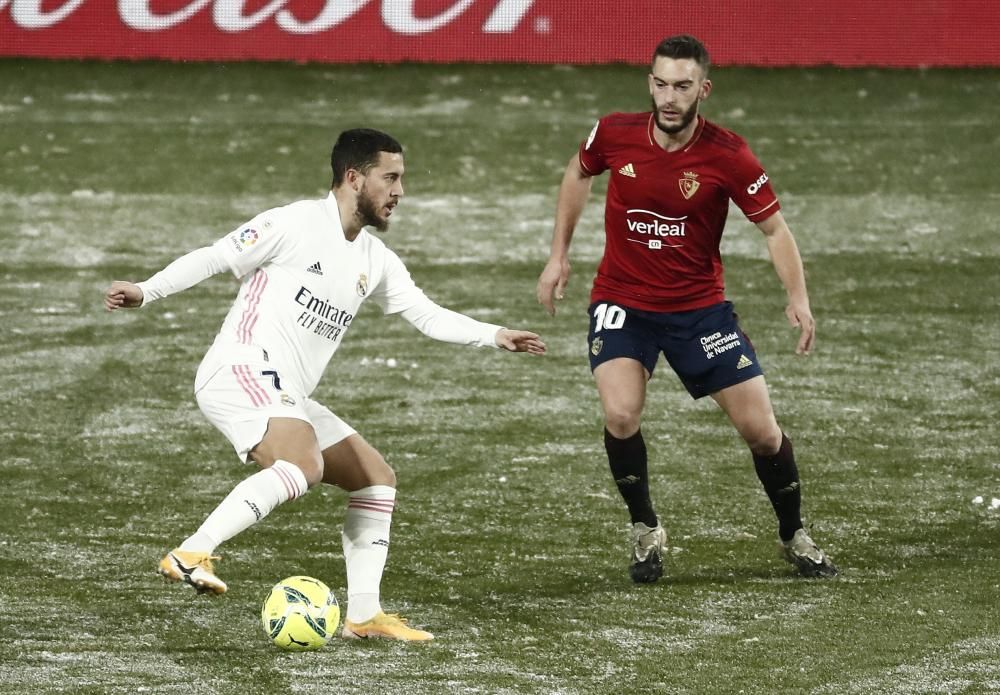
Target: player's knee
[(764, 442), (310, 463), (621, 423), (312, 468)]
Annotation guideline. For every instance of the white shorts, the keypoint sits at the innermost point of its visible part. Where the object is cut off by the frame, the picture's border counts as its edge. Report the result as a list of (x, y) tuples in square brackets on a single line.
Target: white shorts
[(240, 399)]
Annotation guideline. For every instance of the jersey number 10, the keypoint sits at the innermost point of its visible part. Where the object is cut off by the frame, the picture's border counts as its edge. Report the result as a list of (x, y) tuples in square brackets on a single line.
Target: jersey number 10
[(608, 316)]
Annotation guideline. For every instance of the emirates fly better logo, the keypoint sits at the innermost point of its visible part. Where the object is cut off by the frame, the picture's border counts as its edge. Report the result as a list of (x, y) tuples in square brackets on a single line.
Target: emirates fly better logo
[(232, 15)]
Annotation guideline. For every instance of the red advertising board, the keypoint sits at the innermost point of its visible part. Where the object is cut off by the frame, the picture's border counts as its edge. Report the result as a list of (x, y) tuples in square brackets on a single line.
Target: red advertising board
[(849, 33)]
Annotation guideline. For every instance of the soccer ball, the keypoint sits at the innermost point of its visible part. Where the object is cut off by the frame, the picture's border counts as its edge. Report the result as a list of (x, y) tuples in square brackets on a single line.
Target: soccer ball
[(300, 614)]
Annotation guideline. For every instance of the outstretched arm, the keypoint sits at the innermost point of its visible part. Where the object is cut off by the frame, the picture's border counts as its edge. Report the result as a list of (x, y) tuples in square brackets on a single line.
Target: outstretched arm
[(449, 326), (573, 193), (398, 294), (185, 272), (788, 265)]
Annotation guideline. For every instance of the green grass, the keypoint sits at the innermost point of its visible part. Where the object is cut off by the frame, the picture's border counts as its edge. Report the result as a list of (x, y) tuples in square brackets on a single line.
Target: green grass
[(509, 540)]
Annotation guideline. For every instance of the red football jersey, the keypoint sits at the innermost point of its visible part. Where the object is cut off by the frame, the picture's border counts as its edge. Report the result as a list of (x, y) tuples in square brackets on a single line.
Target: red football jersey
[(665, 211)]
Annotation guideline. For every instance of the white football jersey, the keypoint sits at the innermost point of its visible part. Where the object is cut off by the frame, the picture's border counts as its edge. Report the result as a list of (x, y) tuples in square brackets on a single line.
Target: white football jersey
[(302, 286)]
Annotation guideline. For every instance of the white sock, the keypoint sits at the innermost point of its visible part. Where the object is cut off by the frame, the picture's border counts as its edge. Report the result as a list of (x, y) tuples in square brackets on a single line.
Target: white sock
[(366, 547), (248, 503)]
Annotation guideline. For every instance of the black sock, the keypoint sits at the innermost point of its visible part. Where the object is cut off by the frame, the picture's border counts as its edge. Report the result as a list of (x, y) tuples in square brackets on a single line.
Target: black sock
[(780, 478), (627, 459)]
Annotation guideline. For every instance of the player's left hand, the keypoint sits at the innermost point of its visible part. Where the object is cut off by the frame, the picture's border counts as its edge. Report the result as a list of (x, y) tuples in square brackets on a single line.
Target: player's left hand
[(799, 316), (520, 341), (122, 295)]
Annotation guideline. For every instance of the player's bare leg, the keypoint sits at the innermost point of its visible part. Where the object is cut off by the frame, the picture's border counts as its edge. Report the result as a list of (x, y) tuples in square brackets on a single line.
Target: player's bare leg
[(290, 460), (352, 464), (621, 384), (748, 406), (356, 466), (293, 440)]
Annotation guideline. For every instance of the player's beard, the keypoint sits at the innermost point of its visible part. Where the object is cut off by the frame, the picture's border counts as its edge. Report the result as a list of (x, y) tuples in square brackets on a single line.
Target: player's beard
[(368, 212), (686, 119)]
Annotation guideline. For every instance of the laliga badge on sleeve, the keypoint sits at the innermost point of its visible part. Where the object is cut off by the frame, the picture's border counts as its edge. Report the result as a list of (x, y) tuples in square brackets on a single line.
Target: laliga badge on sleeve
[(244, 239)]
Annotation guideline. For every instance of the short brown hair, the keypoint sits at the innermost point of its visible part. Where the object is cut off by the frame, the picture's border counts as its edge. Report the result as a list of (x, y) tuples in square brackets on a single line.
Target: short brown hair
[(683, 46)]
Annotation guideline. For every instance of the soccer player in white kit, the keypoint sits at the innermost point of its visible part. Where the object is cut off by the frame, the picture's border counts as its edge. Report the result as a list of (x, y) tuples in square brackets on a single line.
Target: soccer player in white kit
[(306, 268)]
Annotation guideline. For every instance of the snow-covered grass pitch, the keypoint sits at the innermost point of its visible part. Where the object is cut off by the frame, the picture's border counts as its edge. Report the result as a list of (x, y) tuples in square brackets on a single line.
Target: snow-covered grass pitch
[(509, 542)]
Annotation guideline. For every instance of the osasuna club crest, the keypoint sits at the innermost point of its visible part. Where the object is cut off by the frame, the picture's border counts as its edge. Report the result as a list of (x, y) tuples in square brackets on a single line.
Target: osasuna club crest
[(362, 286), (689, 184)]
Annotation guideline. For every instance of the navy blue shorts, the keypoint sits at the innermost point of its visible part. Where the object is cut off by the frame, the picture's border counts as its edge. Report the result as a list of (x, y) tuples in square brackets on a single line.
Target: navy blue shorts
[(705, 347)]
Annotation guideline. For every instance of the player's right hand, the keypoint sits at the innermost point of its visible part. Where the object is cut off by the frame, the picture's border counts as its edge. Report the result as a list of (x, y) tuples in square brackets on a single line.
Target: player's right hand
[(520, 341), (552, 284), (799, 316), (122, 295)]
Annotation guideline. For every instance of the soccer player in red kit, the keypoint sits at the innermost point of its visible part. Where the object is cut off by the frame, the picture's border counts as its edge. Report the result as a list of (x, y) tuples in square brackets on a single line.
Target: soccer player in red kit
[(659, 289)]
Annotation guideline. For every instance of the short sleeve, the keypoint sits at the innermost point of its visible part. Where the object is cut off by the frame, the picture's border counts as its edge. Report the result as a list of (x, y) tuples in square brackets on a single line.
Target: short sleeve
[(593, 157), (750, 187), (253, 244)]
